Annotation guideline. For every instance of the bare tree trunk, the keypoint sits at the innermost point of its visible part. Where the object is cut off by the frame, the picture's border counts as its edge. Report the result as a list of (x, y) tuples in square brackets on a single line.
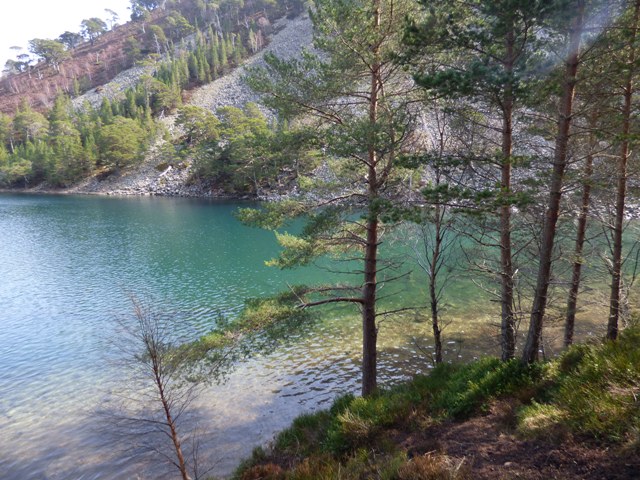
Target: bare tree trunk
[(530, 352), (433, 296), (369, 327), (170, 420), (156, 365), (508, 326), (621, 191), (580, 237), (435, 246), (437, 331)]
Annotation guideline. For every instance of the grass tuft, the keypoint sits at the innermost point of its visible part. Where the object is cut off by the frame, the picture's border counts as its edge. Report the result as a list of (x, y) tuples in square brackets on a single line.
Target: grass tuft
[(434, 467), (470, 389), (596, 392)]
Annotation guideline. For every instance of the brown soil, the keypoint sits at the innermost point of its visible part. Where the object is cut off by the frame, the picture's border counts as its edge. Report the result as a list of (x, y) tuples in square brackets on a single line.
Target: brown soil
[(91, 65), (491, 450)]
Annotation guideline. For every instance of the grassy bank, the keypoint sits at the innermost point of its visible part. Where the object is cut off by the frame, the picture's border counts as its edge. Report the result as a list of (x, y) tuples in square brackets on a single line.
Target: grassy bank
[(575, 417)]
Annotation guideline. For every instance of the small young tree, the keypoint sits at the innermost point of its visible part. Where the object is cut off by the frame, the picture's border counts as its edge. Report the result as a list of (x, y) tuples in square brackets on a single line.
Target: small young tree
[(581, 234), (132, 49), (28, 125), (430, 233), (157, 395)]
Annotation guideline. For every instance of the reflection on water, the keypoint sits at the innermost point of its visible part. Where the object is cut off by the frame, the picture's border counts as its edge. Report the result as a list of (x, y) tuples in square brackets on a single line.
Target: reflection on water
[(67, 268)]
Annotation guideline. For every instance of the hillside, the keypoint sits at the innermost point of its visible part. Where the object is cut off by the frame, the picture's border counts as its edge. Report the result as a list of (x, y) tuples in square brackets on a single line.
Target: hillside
[(229, 90), (291, 37), (160, 32), (102, 121), (91, 65)]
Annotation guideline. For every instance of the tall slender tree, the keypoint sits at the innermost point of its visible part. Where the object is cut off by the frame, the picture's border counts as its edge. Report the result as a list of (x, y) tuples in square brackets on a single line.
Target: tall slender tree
[(581, 233), (483, 50), (354, 96), (630, 68), (569, 81)]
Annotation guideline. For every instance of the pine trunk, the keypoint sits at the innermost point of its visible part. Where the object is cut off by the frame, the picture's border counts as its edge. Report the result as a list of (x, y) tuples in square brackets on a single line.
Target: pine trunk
[(621, 191), (572, 301), (530, 353), (433, 278), (369, 326)]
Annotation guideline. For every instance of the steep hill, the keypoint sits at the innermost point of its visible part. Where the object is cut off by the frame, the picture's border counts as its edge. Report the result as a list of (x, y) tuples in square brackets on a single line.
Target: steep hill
[(90, 66), (126, 83), (291, 37), (152, 177), (151, 38)]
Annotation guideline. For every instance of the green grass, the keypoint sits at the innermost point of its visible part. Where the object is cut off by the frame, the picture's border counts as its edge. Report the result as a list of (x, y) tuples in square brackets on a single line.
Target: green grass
[(590, 391), (469, 389), (597, 389)]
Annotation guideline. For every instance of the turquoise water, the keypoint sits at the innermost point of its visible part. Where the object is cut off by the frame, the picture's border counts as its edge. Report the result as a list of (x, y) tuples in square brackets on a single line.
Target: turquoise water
[(68, 267)]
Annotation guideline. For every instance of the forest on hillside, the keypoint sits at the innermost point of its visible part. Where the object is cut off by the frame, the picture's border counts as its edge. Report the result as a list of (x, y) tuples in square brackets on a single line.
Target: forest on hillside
[(183, 44)]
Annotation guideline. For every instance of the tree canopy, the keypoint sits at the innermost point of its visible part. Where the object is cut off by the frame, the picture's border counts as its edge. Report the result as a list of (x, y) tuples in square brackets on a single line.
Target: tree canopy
[(51, 51), (92, 28)]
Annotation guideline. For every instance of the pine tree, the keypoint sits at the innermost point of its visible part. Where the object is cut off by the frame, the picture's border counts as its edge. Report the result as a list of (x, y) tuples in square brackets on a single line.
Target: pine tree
[(482, 51), (630, 68), (193, 67), (358, 41), (547, 240), (222, 54), (106, 111)]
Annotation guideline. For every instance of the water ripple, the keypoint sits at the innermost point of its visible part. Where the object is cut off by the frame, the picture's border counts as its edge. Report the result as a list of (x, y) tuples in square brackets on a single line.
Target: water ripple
[(68, 267)]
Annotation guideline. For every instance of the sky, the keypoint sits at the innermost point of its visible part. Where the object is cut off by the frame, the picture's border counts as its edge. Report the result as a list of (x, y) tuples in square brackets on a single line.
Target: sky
[(23, 20)]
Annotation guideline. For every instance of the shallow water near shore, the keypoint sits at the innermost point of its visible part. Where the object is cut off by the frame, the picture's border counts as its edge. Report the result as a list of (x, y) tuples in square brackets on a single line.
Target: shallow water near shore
[(68, 266)]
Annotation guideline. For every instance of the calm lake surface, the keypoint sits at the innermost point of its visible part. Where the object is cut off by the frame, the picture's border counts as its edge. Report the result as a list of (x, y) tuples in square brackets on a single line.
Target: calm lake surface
[(68, 266)]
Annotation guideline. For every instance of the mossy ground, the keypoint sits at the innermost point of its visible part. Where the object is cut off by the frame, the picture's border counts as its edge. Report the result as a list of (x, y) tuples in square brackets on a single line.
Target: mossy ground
[(574, 417)]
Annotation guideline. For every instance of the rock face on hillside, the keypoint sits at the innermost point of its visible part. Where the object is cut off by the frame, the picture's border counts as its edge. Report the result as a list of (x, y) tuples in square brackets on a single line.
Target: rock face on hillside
[(230, 90), (155, 178), (115, 88), (290, 38), (92, 65)]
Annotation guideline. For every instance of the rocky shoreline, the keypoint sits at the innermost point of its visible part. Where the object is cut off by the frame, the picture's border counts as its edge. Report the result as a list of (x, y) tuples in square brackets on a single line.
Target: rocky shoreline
[(145, 180), (153, 178)]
